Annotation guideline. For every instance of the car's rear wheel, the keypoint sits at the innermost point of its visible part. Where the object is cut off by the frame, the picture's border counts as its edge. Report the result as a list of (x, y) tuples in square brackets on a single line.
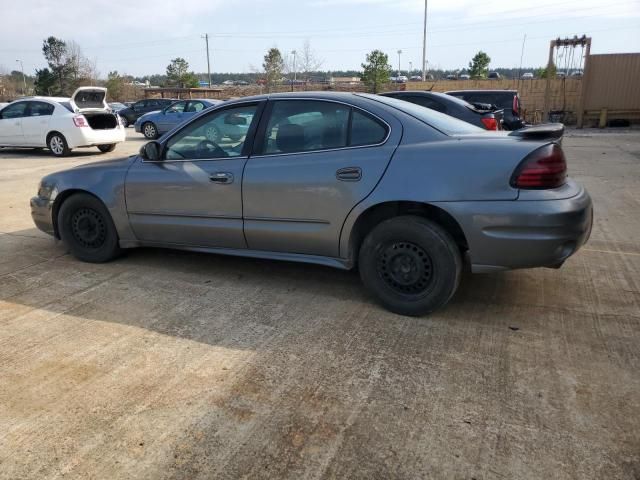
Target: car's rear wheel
[(150, 131), (410, 264), (124, 121), (213, 133), (58, 145), (109, 147), (87, 229)]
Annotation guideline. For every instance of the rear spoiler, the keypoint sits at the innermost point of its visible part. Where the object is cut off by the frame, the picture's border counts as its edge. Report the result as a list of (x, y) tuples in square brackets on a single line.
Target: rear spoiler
[(545, 130)]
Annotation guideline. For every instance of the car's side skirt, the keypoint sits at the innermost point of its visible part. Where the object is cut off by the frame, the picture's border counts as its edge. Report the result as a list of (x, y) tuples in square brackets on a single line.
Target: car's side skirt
[(340, 263)]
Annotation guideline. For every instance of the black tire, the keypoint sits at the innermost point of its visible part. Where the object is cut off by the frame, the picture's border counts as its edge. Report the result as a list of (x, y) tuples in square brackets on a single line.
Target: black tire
[(57, 145), (410, 264), (109, 147), (124, 121), (87, 229), (149, 130)]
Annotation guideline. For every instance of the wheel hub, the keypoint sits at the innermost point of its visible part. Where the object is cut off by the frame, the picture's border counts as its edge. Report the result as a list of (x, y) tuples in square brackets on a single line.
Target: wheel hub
[(88, 228), (405, 267)]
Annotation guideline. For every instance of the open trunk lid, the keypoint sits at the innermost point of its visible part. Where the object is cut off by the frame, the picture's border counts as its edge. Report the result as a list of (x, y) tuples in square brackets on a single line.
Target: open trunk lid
[(89, 99), (543, 131)]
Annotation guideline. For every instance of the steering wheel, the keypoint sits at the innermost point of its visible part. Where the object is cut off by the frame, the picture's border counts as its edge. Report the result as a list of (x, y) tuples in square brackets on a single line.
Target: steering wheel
[(206, 148)]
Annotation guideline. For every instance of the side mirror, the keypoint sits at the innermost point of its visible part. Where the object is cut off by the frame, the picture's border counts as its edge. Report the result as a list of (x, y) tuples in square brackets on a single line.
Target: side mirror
[(151, 151)]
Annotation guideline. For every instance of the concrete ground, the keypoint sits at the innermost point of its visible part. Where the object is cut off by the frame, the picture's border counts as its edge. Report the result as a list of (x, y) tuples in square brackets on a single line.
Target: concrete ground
[(189, 366)]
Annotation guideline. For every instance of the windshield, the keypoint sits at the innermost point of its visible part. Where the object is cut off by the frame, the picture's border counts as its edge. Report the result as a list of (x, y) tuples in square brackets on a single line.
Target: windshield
[(440, 121)]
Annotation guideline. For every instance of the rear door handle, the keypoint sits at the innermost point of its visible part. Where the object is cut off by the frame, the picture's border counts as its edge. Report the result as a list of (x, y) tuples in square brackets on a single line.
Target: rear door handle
[(349, 174), (221, 177)]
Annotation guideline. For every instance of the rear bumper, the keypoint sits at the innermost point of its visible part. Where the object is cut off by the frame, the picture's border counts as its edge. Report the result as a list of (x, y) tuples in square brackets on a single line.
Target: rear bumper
[(41, 214), (88, 137), (524, 233)]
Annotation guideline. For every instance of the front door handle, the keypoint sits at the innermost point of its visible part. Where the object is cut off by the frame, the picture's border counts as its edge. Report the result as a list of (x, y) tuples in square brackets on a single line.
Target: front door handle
[(221, 177), (349, 174)]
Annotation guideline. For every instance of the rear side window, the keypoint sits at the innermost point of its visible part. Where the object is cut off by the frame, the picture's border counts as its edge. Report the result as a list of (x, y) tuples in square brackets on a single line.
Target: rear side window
[(306, 126), (40, 109), (15, 110), (365, 130)]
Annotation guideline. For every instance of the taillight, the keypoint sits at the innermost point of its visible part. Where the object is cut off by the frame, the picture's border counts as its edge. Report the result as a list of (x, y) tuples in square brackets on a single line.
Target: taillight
[(516, 106), (545, 167), (80, 121), (490, 123)]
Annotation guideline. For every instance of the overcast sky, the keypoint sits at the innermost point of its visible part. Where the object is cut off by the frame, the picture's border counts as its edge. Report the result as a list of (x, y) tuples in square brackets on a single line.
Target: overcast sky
[(141, 37)]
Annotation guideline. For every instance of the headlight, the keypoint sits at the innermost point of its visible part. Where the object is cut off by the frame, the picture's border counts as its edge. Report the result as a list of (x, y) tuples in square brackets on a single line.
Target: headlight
[(47, 190)]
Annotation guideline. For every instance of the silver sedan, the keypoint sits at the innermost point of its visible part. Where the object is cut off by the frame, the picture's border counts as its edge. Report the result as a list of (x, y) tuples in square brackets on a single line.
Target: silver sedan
[(406, 194)]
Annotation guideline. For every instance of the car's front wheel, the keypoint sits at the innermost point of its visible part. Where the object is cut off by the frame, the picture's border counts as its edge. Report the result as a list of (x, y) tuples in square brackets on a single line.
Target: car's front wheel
[(109, 147), (58, 145), (150, 131), (410, 264), (124, 121), (86, 228)]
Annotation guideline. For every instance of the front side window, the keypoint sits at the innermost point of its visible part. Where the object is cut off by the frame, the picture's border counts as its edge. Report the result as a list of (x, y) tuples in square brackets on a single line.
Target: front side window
[(305, 126), (139, 105), (220, 134), (177, 107), (40, 109), (15, 110)]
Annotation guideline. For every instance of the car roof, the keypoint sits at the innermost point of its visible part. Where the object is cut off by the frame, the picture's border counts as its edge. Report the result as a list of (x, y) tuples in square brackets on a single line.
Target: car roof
[(438, 95), (38, 97), (482, 91)]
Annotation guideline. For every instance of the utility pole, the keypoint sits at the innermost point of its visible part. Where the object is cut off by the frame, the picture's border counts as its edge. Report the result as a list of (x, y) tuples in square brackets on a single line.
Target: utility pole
[(424, 44), (295, 76), (410, 67), (24, 81), (206, 39), (399, 69)]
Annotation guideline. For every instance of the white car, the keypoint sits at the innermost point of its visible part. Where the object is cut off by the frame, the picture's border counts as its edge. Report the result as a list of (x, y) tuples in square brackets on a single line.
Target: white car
[(62, 124), (527, 76)]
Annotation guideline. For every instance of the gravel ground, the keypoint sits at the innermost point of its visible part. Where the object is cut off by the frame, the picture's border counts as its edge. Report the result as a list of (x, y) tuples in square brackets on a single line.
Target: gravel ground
[(190, 366)]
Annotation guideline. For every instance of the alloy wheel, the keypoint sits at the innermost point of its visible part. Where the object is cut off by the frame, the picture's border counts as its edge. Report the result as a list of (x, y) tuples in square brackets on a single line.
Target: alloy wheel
[(56, 144)]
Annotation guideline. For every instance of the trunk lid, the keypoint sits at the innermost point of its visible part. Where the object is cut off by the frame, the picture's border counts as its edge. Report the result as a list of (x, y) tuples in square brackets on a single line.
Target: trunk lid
[(89, 99)]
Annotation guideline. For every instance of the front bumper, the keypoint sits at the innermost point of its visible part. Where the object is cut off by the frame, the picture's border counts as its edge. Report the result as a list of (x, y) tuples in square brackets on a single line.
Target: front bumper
[(41, 214), (524, 233), (138, 127)]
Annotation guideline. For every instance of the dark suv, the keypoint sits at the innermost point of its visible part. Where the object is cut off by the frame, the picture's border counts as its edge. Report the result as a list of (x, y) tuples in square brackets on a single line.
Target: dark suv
[(507, 100), (130, 114)]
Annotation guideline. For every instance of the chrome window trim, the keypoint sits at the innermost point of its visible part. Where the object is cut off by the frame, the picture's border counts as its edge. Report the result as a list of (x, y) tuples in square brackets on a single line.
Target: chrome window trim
[(242, 157), (350, 105)]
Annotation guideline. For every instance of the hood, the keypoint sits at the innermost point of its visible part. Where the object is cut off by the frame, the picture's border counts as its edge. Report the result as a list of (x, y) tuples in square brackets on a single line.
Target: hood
[(148, 114), (89, 99)]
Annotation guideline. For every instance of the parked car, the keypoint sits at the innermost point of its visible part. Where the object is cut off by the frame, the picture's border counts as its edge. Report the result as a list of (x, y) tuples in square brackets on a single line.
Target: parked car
[(494, 76), (452, 77), (415, 78), (405, 193), (130, 114), (62, 124), (154, 124), (507, 100), (527, 76), (464, 76), (489, 119)]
